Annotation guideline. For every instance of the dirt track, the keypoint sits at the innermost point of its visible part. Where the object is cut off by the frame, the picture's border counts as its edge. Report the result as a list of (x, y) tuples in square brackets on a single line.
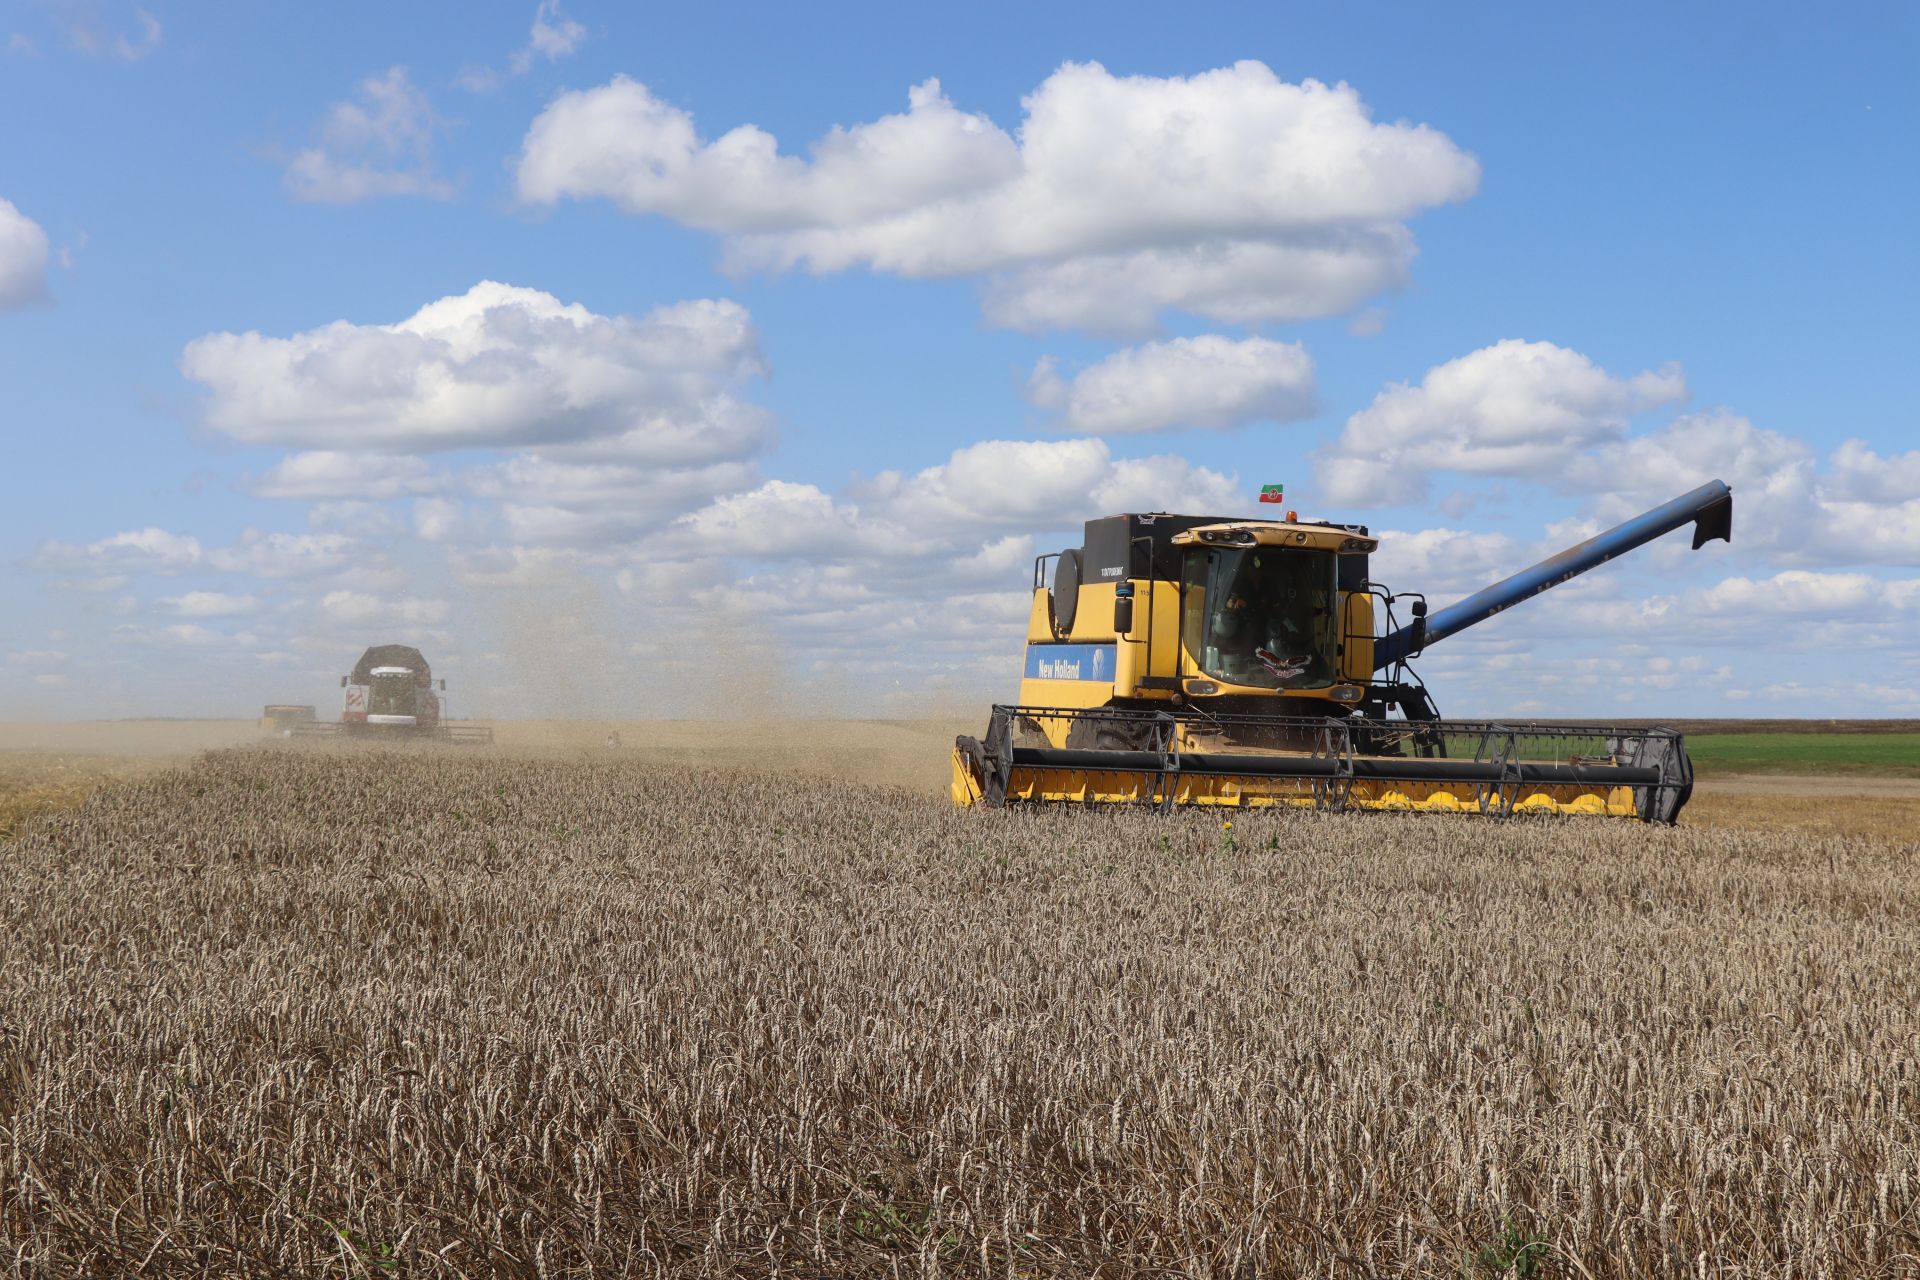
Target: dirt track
[(1802, 784)]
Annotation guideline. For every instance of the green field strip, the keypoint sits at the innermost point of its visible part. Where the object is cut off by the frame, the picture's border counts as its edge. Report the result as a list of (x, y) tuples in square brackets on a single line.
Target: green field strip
[(1892, 754)]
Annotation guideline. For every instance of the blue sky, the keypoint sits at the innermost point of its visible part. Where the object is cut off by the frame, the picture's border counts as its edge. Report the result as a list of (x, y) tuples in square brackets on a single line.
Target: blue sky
[(723, 439)]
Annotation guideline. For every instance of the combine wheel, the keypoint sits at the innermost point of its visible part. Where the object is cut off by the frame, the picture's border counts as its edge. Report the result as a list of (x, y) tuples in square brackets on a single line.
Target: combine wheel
[(1028, 733), (1107, 735)]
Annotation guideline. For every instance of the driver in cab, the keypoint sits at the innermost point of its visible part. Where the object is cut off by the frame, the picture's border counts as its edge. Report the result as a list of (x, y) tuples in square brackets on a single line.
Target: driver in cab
[(1261, 617)]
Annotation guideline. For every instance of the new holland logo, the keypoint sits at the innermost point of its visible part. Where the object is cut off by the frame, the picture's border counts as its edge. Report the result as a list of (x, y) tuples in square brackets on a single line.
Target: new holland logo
[(1070, 662)]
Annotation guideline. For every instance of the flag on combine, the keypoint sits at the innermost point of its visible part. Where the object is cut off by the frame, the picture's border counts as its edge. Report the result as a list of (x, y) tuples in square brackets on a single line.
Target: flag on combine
[(1273, 493)]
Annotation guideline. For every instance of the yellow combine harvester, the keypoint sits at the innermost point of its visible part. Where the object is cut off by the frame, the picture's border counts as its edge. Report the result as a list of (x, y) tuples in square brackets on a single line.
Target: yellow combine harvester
[(1201, 660)]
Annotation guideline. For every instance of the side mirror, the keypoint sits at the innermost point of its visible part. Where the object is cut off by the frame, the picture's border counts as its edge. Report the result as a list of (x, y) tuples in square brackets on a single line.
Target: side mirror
[(1419, 627), (343, 682), (443, 686), (1123, 609)]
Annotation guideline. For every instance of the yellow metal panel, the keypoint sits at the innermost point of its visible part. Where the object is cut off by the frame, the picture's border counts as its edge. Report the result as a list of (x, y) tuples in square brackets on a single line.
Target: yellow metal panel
[(1092, 624), (1356, 625), (1279, 533), (1087, 786), (1156, 619), (964, 786), (1130, 653), (1039, 626), (1093, 618), (1163, 598), (1076, 694)]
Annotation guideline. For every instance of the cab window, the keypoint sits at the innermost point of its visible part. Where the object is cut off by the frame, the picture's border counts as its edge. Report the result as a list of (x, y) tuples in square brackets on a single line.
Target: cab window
[(1261, 617)]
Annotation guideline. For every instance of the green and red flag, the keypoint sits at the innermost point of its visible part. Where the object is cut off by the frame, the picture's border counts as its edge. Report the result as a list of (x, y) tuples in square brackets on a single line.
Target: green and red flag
[(1273, 493)]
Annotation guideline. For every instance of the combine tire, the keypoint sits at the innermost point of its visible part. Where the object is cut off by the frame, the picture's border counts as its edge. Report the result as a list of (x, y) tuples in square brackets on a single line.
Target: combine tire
[(1103, 735)]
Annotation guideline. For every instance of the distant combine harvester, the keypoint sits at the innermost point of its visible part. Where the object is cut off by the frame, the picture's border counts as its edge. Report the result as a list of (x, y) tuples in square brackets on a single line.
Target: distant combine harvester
[(391, 694), (284, 717)]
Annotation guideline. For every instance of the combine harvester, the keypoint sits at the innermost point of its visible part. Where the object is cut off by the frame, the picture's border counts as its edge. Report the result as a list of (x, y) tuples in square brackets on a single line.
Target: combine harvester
[(391, 694), (284, 718), (1200, 660)]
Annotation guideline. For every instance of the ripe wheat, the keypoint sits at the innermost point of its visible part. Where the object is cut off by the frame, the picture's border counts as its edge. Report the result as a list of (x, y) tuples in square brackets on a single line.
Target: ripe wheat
[(302, 1013)]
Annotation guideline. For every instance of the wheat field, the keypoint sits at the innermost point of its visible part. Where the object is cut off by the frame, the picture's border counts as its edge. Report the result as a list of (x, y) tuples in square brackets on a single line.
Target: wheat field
[(391, 1013)]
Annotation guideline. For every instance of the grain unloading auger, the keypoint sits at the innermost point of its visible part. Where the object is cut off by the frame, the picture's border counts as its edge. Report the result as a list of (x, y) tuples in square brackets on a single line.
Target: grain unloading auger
[(1203, 660)]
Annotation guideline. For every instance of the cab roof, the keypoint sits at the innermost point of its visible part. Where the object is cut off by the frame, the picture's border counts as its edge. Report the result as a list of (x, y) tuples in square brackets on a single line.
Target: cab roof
[(1304, 535)]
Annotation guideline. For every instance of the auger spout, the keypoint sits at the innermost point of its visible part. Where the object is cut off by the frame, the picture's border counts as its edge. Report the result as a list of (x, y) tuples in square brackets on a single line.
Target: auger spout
[(1709, 508)]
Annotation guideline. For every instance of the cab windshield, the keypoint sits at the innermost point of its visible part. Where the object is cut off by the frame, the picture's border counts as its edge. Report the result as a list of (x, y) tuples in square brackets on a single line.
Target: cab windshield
[(392, 694), (1261, 616)]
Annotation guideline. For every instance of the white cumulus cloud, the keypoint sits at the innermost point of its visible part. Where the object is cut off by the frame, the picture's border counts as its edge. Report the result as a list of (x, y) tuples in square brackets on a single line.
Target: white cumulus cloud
[(132, 48), (286, 555), (147, 550), (362, 608), (1206, 381), (1859, 474), (497, 366), (23, 258), (1842, 532), (1444, 563), (1862, 507), (355, 518), (184, 635), (379, 144), (1019, 485), (1799, 593), (782, 519), (88, 33), (329, 473), (1231, 194), (1512, 409), (445, 520), (210, 604), (980, 495), (552, 36), (1761, 464), (546, 500)]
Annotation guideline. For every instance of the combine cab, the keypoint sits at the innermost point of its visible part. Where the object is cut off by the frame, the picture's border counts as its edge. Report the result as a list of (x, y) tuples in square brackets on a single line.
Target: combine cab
[(1202, 660), (391, 693)]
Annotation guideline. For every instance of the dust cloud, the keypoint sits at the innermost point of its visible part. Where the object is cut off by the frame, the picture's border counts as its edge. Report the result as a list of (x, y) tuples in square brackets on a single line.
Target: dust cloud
[(562, 661), (570, 666), (150, 739), (571, 647)]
